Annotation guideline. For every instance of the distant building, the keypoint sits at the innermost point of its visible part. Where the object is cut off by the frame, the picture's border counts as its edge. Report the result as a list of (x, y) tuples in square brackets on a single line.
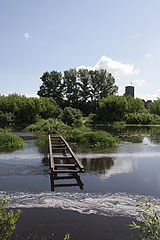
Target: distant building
[(129, 91), (146, 103)]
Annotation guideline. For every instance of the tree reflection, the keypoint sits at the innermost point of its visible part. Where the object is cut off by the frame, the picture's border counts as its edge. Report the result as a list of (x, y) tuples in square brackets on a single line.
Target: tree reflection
[(98, 165)]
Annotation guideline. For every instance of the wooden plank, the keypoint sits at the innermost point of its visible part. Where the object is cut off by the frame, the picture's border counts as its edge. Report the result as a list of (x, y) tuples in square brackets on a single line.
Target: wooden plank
[(57, 145), (63, 157), (66, 171), (50, 153), (54, 148), (73, 155), (64, 165)]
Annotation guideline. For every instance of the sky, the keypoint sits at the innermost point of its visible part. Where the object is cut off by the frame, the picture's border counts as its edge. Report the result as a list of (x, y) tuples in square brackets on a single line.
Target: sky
[(122, 36)]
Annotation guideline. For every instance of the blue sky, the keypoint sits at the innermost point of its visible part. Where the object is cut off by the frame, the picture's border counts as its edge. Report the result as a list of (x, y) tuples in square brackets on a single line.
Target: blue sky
[(122, 36)]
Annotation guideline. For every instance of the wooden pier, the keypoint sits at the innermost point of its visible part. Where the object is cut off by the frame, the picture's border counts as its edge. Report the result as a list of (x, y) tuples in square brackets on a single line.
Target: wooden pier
[(63, 160)]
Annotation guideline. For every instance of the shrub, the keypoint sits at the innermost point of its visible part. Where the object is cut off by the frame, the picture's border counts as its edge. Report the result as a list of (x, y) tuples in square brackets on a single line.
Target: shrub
[(139, 118), (111, 108), (8, 219), (10, 141), (70, 115), (149, 225), (92, 138), (48, 126)]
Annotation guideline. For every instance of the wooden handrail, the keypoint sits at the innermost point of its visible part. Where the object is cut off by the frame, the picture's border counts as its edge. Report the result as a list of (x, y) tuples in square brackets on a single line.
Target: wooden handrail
[(73, 155), (50, 153)]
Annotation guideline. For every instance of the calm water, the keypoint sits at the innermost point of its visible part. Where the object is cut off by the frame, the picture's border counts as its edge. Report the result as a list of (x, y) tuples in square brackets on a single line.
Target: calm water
[(113, 180)]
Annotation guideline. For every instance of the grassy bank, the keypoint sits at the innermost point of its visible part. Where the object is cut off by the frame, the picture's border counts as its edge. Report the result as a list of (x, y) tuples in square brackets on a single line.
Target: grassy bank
[(10, 141)]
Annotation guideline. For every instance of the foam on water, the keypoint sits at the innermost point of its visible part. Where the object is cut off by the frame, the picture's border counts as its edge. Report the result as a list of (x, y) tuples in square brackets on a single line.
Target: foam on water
[(117, 204), (119, 155)]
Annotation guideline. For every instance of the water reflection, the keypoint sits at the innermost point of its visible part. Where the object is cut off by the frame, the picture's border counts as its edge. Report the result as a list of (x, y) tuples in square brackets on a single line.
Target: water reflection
[(107, 166), (119, 167), (54, 178), (98, 165)]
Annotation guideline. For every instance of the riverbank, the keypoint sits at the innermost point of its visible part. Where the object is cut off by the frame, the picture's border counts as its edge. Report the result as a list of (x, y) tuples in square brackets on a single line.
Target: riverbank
[(37, 223)]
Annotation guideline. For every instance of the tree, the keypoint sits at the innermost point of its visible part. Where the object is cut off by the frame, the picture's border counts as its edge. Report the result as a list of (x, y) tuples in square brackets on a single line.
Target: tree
[(112, 108), (52, 86), (135, 105), (102, 84), (71, 88), (154, 107)]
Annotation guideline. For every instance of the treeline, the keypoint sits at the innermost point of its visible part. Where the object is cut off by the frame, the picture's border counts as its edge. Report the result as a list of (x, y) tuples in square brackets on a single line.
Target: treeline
[(21, 111), (78, 89), (128, 109)]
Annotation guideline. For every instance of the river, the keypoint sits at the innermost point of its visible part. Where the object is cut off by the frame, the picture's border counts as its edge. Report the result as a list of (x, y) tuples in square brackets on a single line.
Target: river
[(114, 178)]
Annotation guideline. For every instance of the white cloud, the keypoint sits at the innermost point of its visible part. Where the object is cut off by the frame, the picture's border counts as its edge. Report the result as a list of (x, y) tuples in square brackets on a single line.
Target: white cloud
[(148, 55), (27, 35), (115, 67), (154, 96), (140, 83)]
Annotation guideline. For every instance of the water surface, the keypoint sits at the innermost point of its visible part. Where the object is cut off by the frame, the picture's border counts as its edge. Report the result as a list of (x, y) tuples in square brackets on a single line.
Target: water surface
[(114, 178)]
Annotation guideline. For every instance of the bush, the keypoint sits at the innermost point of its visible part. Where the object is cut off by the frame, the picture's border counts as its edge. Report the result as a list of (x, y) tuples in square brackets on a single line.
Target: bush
[(48, 126), (8, 219), (10, 141), (92, 138), (149, 226), (70, 115), (111, 108), (139, 118)]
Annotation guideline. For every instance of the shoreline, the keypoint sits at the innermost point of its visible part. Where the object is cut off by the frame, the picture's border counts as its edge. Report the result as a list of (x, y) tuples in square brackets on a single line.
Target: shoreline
[(54, 223)]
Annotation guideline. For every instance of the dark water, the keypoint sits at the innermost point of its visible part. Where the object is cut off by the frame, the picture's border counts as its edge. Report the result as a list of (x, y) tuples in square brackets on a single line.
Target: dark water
[(113, 180)]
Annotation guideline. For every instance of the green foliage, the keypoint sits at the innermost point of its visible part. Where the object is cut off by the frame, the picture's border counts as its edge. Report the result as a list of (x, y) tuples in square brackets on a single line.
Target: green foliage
[(154, 107), (8, 219), (135, 105), (6, 119), (139, 118), (71, 88), (99, 138), (112, 108), (67, 236), (149, 225), (70, 115), (48, 126), (20, 110), (52, 86), (78, 89), (10, 141)]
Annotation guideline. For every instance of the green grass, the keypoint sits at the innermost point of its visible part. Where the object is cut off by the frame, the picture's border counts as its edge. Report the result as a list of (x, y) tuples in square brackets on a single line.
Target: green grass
[(99, 138), (10, 141), (48, 126)]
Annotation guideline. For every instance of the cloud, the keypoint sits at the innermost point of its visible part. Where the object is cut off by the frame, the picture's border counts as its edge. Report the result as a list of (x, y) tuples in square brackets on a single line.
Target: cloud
[(140, 83), (27, 35), (154, 96), (148, 55), (115, 67)]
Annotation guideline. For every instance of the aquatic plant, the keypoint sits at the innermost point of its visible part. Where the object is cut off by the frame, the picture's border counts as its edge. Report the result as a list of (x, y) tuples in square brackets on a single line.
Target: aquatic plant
[(8, 219), (99, 138), (48, 126), (67, 236), (10, 141), (149, 224)]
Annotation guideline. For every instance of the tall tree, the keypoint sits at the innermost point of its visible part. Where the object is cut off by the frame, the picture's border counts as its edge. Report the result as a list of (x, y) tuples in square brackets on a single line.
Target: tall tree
[(52, 86), (71, 88), (102, 84)]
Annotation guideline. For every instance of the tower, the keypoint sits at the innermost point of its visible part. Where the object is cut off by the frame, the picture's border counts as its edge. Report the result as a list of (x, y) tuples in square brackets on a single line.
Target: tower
[(129, 91)]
